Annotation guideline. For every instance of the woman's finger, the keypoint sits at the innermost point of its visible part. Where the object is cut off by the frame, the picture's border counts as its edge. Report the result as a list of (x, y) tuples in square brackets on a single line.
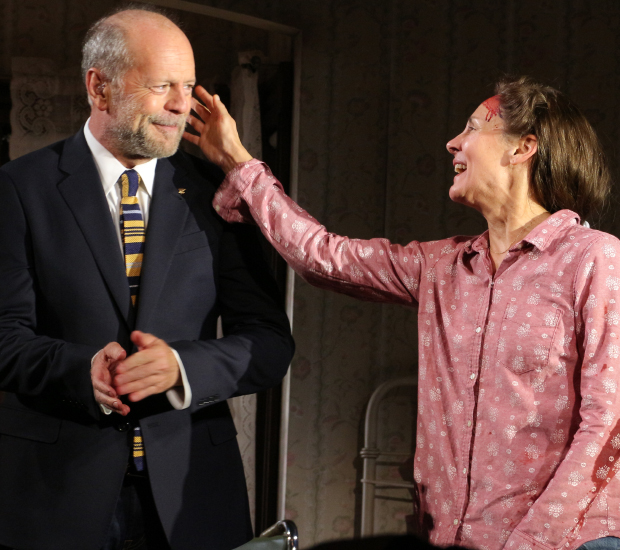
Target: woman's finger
[(219, 106), (204, 96), (200, 109), (195, 123), (192, 138)]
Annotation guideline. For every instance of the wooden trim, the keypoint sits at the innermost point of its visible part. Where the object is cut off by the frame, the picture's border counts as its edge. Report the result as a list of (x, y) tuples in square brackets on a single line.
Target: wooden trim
[(226, 15)]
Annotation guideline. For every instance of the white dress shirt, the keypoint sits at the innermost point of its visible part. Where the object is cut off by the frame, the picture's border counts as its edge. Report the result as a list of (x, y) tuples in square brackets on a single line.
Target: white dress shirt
[(110, 170)]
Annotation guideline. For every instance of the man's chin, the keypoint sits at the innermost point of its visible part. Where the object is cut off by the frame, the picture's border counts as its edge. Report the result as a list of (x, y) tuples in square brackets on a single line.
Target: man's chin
[(164, 146), (156, 150)]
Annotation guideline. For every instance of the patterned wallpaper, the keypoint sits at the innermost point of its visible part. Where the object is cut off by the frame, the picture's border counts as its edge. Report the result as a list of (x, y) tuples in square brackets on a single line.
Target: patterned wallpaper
[(384, 86)]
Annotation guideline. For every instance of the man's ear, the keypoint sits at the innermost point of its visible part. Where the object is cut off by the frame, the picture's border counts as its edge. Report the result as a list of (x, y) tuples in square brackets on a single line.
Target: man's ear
[(525, 149), (98, 89)]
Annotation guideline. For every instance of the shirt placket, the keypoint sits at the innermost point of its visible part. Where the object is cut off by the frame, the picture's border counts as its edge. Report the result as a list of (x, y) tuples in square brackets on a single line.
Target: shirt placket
[(471, 388), (477, 353)]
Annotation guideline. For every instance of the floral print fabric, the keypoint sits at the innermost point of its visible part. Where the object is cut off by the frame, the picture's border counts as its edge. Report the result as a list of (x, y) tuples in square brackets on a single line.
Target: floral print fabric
[(518, 434)]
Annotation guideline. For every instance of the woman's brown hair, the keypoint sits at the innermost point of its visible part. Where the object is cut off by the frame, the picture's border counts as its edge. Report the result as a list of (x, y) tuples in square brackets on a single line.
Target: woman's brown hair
[(569, 169)]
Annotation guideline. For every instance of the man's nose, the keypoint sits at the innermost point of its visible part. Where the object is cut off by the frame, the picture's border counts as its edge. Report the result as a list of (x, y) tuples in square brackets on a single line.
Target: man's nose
[(179, 101)]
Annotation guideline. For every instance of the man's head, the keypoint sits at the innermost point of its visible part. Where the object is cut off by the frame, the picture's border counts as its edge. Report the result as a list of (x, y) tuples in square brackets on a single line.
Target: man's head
[(138, 68)]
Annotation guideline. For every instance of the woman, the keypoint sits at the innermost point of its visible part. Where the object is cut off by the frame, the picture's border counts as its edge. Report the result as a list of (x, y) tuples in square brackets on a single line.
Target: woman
[(518, 438)]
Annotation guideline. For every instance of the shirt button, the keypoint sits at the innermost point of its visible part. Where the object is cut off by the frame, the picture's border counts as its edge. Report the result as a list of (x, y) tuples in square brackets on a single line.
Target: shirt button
[(478, 329), (456, 522), (464, 470), (469, 423), (472, 376)]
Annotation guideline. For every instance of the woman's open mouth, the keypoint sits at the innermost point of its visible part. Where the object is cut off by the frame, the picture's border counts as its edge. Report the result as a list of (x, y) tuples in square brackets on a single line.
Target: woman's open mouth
[(460, 168)]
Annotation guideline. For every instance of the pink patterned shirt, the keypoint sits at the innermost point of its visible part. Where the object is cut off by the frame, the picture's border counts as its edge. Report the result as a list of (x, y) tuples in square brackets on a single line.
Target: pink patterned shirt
[(518, 434)]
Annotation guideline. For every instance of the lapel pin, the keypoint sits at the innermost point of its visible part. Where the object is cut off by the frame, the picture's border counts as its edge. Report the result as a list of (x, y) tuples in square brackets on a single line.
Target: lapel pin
[(181, 191)]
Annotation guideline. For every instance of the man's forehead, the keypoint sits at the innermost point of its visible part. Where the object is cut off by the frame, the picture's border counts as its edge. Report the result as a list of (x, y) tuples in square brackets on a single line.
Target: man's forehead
[(150, 43), (144, 28)]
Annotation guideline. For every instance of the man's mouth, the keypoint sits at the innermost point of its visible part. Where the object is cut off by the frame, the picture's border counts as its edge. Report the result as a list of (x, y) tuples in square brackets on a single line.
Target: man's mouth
[(460, 168), (169, 127), (166, 124)]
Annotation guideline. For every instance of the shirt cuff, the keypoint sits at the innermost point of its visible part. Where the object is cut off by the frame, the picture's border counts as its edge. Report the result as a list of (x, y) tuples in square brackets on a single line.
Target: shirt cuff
[(227, 200), (180, 397)]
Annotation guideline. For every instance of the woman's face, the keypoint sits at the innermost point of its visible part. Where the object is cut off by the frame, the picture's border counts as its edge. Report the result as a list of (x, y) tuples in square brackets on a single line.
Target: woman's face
[(482, 158)]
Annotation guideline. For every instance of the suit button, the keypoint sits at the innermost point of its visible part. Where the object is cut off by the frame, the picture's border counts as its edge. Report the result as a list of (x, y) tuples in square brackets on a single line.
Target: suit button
[(122, 426)]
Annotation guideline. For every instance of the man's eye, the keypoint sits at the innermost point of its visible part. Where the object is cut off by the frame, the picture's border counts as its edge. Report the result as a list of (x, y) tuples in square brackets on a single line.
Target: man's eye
[(161, 88)]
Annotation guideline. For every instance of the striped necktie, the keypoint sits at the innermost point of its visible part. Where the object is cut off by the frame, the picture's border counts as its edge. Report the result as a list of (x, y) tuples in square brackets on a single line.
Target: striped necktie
[(132, 230), (132, 233)]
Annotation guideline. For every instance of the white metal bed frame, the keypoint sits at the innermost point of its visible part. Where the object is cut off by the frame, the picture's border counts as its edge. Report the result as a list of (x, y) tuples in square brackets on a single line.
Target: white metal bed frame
[(371, 452)]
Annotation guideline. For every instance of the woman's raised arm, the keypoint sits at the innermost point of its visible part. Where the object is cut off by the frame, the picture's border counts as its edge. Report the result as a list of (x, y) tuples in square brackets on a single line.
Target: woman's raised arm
[(374, 270)]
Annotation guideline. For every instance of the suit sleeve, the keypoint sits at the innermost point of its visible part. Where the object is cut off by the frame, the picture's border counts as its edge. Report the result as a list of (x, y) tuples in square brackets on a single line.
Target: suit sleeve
[(257, 346), (32, 364)]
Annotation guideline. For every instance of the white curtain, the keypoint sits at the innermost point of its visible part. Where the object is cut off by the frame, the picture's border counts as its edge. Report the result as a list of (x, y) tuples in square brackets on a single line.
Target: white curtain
[(244, 102)]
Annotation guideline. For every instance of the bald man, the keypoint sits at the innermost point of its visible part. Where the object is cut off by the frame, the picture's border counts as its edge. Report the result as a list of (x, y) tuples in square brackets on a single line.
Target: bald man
[(114, 428)]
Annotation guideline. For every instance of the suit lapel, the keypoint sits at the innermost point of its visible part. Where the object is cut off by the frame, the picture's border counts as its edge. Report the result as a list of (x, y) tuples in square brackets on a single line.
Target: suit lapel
[(83, 193), (167, 216)]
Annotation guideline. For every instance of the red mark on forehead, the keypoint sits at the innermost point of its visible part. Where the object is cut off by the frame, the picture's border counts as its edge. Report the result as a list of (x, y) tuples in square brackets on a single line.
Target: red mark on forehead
[(494, 107)]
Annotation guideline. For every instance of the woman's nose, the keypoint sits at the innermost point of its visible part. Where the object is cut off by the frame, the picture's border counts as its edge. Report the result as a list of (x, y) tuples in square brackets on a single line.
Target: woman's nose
[(453, 146)]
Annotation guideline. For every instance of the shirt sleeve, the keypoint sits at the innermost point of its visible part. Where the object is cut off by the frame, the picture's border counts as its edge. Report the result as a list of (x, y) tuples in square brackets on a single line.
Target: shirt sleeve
[(592, 460), (180, 397), (373, 270)]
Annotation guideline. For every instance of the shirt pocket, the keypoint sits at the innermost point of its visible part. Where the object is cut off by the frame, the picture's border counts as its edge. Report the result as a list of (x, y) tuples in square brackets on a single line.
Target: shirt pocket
[(527, 338)]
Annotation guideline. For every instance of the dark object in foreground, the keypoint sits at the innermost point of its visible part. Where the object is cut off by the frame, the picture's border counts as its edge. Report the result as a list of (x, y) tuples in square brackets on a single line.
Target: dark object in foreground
[(383, 542), (280, 536)]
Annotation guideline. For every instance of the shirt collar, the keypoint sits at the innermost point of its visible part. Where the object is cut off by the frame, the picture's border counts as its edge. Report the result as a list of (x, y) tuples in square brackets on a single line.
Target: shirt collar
[(544, 233), (110, 169), (540, 237)]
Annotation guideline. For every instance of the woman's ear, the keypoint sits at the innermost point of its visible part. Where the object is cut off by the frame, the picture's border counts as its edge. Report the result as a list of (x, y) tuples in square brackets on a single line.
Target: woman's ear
[(97, 89), (525, 149)]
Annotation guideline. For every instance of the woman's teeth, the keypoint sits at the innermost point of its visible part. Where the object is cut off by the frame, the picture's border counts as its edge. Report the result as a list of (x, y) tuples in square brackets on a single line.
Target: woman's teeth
[(460, 168)]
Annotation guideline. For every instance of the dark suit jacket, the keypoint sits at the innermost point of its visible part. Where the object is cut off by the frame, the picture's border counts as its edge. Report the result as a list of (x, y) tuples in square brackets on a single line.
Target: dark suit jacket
[(64, 295)]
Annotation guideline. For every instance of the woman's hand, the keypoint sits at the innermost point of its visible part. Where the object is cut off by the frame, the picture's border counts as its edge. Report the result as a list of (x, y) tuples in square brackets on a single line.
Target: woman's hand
[(218, 138)]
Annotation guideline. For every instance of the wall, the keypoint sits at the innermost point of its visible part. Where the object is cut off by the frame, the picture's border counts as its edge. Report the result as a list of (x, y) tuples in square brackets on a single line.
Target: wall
[(384, 86)]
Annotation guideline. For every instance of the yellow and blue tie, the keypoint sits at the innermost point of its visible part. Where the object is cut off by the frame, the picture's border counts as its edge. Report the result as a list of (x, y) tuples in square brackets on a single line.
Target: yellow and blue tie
[(132, 233), (132, 230)]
